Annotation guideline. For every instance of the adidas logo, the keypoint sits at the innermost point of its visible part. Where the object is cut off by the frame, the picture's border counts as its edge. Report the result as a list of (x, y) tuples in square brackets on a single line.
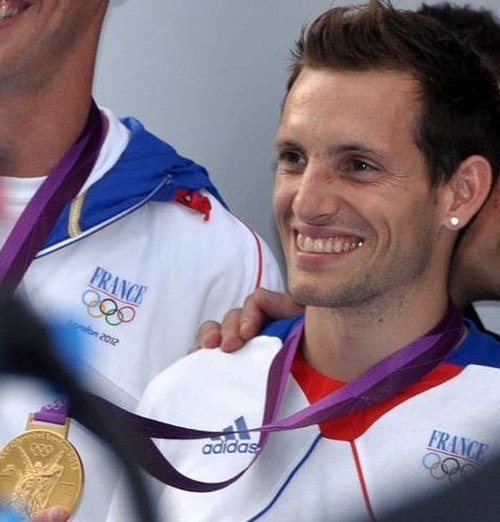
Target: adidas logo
[(240, 442)]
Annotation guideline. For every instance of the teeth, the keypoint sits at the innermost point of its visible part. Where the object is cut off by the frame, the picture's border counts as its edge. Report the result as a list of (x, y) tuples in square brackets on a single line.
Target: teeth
[(7, 11), (327, 246)]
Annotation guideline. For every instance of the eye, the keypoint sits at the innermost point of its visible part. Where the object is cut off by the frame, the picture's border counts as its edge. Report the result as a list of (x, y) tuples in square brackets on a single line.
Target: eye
[(290, 160), (360, 165), (291, 156)]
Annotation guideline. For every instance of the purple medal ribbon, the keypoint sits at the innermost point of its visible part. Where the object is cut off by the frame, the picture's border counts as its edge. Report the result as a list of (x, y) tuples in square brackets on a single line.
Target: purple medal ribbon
[(381, 382), (41, 213), (39, 217), (54, 412)]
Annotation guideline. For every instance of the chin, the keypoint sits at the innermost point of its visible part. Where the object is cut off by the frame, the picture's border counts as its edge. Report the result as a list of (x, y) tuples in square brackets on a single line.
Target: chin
[(311, 296)]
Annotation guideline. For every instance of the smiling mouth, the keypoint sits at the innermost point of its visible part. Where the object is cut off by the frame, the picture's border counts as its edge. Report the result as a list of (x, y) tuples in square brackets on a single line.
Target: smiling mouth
[(333, 245), (10, 9)]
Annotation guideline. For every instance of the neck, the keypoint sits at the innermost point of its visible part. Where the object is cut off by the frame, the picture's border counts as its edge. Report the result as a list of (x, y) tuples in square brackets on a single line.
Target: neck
[(460, 300), (344, 342), (38, 130), (43, 115)]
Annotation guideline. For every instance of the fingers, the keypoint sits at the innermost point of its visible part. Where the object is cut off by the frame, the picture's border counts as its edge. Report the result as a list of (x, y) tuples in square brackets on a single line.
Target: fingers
[(230, 331), (276, 305), (54, 514), (226, 335), (241, 324), (252, 317), (229, 334), (263, 305), (209, 335)]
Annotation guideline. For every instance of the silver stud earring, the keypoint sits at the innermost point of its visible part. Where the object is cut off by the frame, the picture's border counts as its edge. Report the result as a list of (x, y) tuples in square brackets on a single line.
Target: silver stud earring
[(454, 221)]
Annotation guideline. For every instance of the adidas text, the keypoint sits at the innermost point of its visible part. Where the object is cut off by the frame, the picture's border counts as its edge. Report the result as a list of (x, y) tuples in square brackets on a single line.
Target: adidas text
[(235, 446)]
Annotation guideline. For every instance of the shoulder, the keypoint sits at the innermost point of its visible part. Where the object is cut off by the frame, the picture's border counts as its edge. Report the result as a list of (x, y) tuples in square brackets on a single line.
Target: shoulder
[(281, 329), (478, 348), (202, 379), (223, 246), (206, 366), (208, 371)]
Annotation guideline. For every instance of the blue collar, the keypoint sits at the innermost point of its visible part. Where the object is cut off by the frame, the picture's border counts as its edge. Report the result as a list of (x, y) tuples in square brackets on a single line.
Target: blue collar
[(148, 170), (480, 348)]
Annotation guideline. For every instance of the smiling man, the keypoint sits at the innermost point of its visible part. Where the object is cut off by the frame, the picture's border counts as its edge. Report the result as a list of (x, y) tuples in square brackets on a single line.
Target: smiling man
[(97, 228), (358, 226), (475, 270), (386, 149)]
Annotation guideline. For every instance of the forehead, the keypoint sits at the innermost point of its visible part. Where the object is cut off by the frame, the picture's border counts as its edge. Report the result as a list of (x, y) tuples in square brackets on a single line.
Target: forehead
[(375, 106)]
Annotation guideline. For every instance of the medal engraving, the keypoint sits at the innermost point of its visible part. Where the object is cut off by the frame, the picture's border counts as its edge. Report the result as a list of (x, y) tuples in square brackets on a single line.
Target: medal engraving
[(40, 469)]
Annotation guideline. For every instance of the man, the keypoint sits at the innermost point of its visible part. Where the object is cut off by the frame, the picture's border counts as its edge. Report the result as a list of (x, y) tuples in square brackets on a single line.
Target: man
[(386, 149), (475, 270), (143, 253)]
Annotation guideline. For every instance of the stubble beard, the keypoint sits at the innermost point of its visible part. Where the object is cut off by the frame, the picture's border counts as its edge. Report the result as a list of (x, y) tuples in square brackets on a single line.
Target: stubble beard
[(368, 288)]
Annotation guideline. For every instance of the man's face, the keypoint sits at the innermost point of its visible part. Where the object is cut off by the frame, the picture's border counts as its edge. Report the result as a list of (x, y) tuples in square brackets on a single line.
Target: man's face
[(354, 208), (36, 34), (476, 264)]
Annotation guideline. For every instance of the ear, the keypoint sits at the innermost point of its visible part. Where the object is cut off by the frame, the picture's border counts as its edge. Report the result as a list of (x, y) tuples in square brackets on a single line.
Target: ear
[(467, 191)]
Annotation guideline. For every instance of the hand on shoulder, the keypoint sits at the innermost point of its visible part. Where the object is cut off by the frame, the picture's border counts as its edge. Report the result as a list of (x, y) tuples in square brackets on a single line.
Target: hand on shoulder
[(241, 324)]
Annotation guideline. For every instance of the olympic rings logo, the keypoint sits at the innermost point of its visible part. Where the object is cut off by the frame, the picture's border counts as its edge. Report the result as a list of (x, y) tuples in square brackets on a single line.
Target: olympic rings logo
[(55, 405), (41, 450), (448, 467), (108, 308)]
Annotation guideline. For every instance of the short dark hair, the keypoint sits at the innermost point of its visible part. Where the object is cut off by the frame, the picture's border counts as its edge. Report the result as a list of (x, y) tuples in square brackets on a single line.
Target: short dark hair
[(478, 28), (460, 111)]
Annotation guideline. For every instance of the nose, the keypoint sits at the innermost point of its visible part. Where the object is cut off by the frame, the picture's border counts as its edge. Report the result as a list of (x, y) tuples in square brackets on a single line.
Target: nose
[(318, 194)]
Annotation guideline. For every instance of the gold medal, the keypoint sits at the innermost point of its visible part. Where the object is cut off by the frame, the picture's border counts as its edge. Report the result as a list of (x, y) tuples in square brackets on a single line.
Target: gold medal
[(39, 469)]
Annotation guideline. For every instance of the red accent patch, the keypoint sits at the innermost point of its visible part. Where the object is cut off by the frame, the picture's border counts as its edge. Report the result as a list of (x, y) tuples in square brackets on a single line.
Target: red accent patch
[(194, 200)]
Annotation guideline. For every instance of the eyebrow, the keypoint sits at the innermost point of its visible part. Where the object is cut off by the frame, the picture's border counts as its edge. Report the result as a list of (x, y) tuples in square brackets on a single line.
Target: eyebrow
[(280, 144), (359, 148)]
